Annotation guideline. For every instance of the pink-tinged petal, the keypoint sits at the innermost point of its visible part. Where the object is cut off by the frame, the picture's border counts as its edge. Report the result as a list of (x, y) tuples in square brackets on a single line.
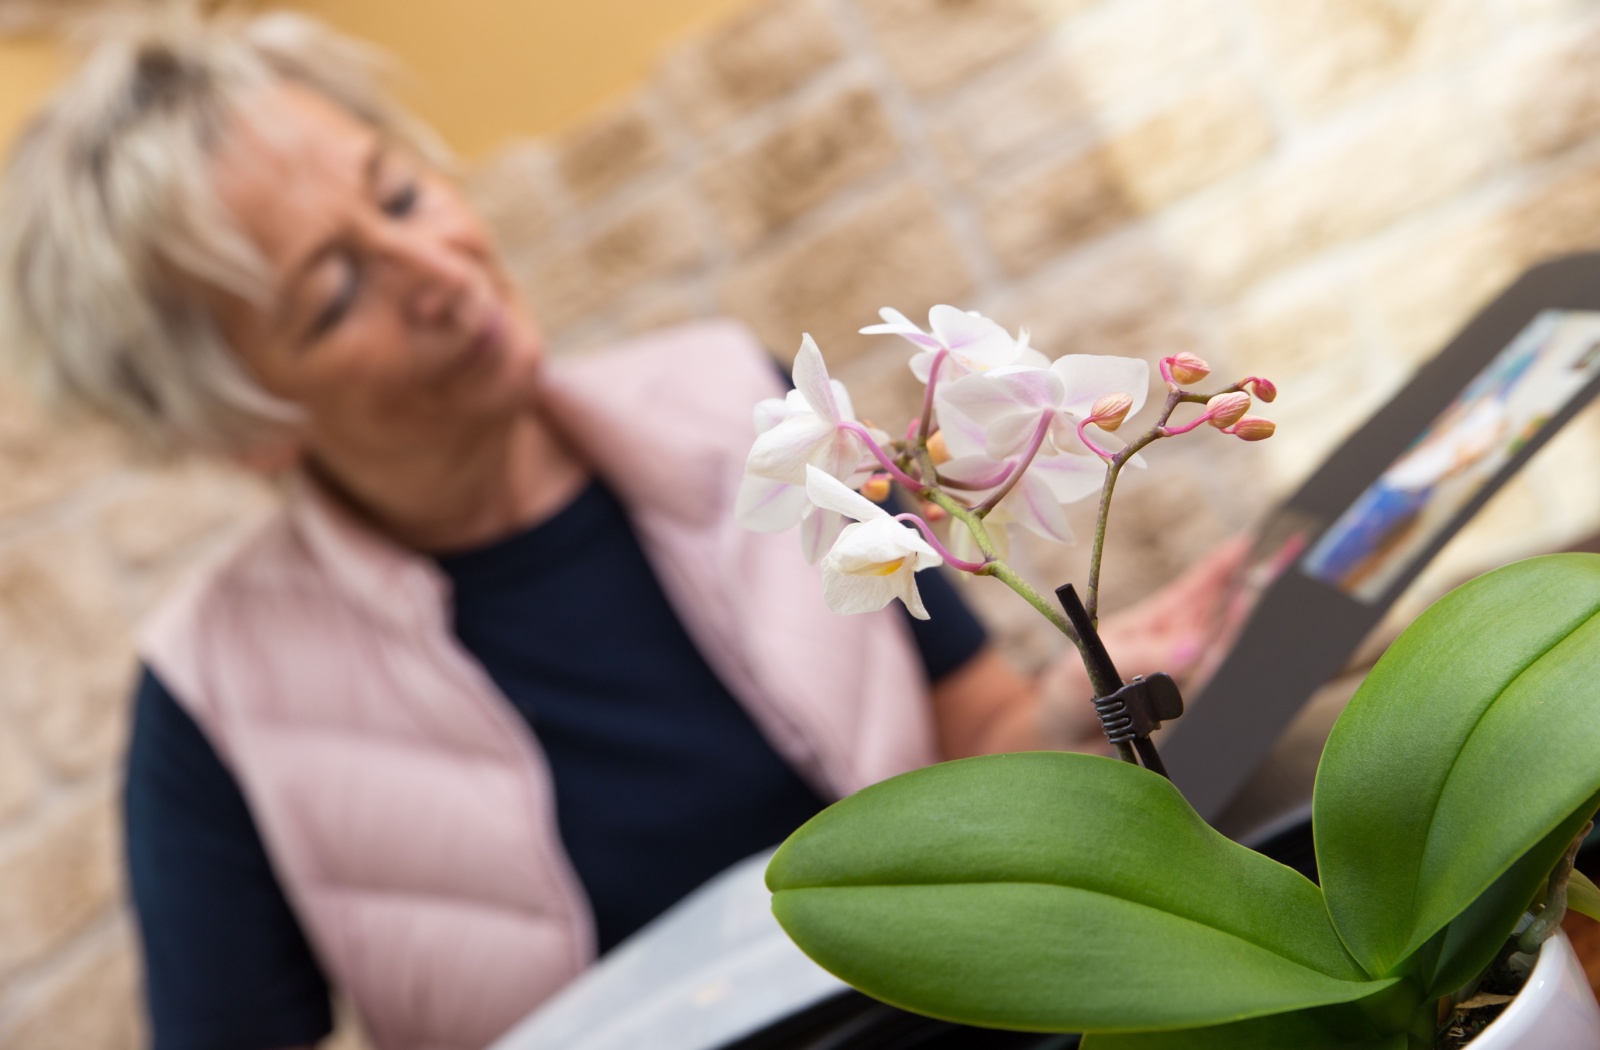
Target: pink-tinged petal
[(842, 456), (783, 452), (1086, 378), (829, 493), (989, 397), (841, 400), (1033, 506), (1069, 478), (819, 531), (963, 436), (971, 470), (811, 379), (764, 505), (899, 324), (1012, 434), (951, 370)]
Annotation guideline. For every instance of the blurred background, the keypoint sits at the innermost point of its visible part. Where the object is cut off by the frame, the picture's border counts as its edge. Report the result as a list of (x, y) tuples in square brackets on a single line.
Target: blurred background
[(1318, 191)]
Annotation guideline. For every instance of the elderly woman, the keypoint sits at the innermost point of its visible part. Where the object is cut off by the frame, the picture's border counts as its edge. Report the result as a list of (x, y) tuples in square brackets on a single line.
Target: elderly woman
[(501, 680)]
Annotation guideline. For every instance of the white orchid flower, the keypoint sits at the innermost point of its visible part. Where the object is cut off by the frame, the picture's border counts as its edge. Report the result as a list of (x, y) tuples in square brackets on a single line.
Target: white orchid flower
[(875, 560), (804, 429), (997, 413), (973, 342)]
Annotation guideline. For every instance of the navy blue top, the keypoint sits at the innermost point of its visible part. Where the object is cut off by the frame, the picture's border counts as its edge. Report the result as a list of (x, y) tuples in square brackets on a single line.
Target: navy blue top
[(661, 777)]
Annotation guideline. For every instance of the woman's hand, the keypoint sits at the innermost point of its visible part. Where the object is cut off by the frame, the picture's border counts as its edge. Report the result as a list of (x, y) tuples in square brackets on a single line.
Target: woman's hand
[(1178, 629)]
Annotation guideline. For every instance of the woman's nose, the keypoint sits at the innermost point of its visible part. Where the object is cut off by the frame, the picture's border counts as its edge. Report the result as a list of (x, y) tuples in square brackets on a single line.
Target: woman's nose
[(435, 283)]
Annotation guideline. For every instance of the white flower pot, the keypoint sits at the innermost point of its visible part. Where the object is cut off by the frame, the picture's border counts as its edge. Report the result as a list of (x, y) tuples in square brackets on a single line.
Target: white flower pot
[(1555, 1010)]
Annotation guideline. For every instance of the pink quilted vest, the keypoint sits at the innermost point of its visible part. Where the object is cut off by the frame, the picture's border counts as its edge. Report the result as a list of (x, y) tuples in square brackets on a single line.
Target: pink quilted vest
[(404, 803)]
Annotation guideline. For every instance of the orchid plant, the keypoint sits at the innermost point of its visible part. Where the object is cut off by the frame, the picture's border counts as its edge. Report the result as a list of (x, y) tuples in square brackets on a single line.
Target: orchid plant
[(1071, 892), (1006, 436)]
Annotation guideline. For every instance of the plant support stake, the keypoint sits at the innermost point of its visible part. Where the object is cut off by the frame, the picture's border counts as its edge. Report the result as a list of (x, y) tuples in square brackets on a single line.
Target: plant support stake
[(1130, 712)]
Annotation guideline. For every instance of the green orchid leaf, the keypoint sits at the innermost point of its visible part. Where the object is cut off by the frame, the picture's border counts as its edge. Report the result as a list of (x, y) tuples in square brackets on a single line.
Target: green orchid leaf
[(1054, 892), (1341, 1027), (1471, 741), (1583, 896), (1473, 938)]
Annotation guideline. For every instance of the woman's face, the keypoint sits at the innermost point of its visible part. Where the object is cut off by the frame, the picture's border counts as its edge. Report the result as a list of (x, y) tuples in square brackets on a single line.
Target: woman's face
[(390, 321)]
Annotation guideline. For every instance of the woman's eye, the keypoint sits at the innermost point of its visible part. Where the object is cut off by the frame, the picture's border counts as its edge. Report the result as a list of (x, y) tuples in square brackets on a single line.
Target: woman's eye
[(337, 307), (403, 203)]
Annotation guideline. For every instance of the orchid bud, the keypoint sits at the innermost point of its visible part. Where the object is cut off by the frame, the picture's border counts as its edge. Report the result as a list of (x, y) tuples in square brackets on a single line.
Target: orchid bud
[(1253, 428), (933, 512), (1225, 410), (1186, 368), (877, 488), (938, 451), (1109, 412), (1265, 389)]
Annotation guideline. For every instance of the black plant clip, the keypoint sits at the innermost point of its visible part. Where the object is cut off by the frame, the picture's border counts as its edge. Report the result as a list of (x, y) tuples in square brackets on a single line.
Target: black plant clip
[(1130, 712)]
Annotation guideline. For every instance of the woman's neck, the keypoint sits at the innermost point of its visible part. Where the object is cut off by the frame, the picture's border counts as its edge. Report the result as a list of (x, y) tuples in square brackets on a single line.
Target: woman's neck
[(461, 493)]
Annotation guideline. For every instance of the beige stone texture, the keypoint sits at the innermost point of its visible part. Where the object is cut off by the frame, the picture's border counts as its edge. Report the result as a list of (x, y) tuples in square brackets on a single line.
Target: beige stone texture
[(662, 308), (895, 248), (1056, 11), (1425, 289), (57, 879), (1314, 415), (167, 513), (65, 647), (511, 192), (1548, 93), (882, 388), (93, 1005), (658, 238), (1291, 331), (1214, 129), (19, 776), (1012, 113), (608, 150), (933, 44), (558, 282), (42, 463), (1411, 156), (1127, 300), (1329, 52), (763, 187), (1054, 208), (1131, 49), (762, 54)]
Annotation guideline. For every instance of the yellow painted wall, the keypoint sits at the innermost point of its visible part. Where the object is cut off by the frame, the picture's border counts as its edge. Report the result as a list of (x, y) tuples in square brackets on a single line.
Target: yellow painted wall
[(27, 69), (483, 69)]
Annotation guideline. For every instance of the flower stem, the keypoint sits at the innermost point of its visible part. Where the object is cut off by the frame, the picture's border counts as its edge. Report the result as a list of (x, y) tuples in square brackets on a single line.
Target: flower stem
[(997, 568), (939, 548), (927, 397), (1039, 432), (984, 483), (1089, 444), (882, 457), (1092, 593)]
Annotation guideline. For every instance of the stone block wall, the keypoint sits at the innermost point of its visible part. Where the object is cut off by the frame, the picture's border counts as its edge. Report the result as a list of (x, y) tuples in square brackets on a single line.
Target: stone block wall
[(1318, 191)]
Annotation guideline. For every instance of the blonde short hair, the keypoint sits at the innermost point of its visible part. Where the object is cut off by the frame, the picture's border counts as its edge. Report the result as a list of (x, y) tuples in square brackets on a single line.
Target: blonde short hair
[(107, 219)]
